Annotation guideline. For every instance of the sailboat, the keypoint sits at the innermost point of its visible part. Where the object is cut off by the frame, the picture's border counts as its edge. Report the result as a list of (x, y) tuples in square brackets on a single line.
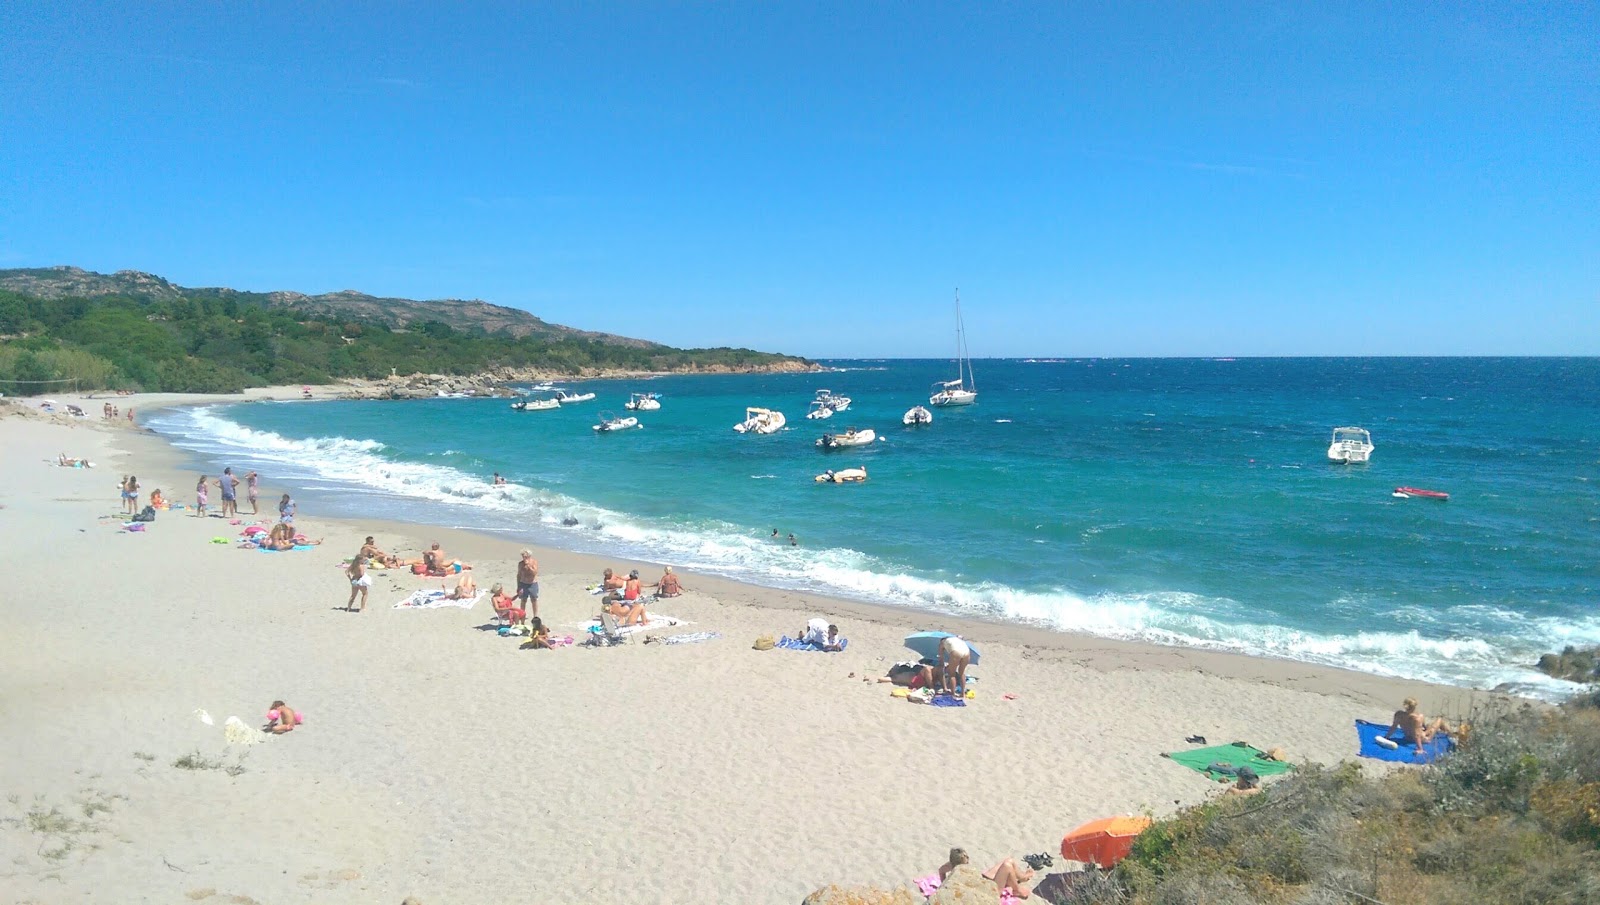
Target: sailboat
[(964, 389)]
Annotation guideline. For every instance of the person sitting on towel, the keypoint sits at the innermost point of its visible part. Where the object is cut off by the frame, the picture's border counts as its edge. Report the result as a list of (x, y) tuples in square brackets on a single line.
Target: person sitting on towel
[(833, 642), (538, 634), (438, 562), (1413, 727), (630, 608), (913, 675), (815, 632), (611, 581), (669, 585), (1248, 783)]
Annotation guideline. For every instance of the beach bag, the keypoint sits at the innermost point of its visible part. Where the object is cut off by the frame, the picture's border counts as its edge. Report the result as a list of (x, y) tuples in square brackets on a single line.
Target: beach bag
[(148, 514), (766, 642)]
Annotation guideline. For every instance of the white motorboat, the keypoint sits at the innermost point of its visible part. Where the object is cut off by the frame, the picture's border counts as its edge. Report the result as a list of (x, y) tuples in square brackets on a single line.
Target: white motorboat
[(964, 389), (848, 439), (643, 402), (819, 410), (917, 415), (536, 405), (842, 476), (1350, 445), (610, 422), (761, 421), (833, 401), (566, 398)]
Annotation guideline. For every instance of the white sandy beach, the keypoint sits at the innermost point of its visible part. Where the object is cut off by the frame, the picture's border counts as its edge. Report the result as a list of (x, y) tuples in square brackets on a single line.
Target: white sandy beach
[(442, 762)]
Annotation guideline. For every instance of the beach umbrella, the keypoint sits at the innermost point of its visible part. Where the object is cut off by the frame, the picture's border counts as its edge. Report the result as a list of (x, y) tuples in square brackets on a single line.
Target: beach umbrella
[(1103, 842), (926, 644)]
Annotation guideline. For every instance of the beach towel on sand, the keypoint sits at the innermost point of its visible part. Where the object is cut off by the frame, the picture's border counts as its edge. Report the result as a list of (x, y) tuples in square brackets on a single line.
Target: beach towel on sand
[(433, 600), (788, 643), (1204, 760), (1367, 735)]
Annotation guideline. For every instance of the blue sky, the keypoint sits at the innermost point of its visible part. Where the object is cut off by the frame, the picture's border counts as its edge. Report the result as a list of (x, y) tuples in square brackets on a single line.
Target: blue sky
[(1098, 179)]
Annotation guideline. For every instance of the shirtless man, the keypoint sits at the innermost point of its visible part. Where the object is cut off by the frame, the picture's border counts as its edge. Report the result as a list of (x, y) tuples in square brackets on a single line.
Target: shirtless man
[(369, 550), (1414, 728), (439, 562), (528, 583), (360, 582)]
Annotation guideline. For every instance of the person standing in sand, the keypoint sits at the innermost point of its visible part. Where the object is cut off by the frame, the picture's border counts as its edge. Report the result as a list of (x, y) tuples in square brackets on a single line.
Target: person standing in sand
[(954, 655), (360, 582), (130, 495), (528, 583), (201, 497), (286, 509), (251, 488), (229, 485)]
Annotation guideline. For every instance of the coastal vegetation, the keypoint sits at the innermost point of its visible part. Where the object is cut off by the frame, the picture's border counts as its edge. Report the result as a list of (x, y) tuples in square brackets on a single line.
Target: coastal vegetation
[(218, 343)]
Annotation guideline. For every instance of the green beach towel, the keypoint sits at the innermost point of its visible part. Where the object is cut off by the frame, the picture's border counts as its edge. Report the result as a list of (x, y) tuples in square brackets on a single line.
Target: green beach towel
[(1235, 756)]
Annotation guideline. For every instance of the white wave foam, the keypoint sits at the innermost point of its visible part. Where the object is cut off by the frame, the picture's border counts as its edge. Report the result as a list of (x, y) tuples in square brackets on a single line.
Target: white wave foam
[(1483, 646)]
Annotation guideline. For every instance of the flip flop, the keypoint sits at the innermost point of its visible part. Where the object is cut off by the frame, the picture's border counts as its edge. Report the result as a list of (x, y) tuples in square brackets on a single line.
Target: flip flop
[(1196, 740)]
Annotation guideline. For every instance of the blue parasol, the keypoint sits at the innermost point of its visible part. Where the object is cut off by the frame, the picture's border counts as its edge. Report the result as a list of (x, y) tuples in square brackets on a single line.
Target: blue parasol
[(926, 644)]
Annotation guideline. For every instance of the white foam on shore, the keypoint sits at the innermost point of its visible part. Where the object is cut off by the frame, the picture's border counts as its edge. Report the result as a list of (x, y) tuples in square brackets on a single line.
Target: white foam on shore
[(1471, 645)]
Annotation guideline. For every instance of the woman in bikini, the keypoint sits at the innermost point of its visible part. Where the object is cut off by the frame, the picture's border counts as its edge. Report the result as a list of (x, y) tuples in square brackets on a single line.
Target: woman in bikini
[(630, 609)]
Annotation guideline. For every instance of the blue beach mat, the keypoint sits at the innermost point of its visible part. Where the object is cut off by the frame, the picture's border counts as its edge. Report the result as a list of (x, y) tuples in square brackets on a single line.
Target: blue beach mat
[(1368, 734), (788, 643), (947, 700)]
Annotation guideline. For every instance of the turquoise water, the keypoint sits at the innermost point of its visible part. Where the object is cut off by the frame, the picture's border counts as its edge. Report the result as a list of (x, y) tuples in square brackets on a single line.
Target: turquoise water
[(1178, 501)]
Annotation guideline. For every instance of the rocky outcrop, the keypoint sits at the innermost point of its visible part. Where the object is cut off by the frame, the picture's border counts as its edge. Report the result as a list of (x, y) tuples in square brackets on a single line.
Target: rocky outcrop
[(966, 886)]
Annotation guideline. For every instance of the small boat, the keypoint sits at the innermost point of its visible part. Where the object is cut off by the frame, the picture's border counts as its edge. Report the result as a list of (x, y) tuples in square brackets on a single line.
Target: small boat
[(964, 389), (1351, 445), (833, 401), (819, 410), (842, 476), (536, 405), (566, 398), (849, 438), (1406, 493), (610, 422), (917, 415), (643, 402), (761, 421)]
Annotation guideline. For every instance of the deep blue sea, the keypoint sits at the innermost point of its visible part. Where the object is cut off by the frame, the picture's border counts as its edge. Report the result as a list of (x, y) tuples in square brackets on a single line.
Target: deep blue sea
[(1180, 501)]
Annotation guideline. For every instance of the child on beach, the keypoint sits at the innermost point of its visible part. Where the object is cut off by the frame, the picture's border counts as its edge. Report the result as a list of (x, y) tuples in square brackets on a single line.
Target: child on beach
[(200, 497), (281, 718), (538, 635), (360, 582)]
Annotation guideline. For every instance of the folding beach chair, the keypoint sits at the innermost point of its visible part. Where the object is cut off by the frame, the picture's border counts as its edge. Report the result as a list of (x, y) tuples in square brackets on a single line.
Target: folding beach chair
[(606, 634)]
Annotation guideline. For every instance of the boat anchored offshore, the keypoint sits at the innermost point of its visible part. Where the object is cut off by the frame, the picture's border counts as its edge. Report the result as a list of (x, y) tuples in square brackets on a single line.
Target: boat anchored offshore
[(1406, 493), (610, 422), (964, 389), (819, 410), (1351, 445), (643, 402), (849, 438), (566, 398), (917, 415), (761, 421), (842, 476), (833, 401), (536, 405)]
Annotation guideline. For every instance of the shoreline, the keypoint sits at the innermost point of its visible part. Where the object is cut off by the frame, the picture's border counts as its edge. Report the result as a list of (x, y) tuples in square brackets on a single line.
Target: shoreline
[(763, 774), (495, 544)]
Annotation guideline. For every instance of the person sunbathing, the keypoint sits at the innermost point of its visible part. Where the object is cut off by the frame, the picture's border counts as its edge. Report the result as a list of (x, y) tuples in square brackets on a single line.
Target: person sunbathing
[(369, 549), (157, 500), (669, 585), (505, 606), (1248, 783), (281, 718), (466, 588), (439, 563), (833, 642), (611, 581), (1008, 876), (913, 675), (1414, 727), (958, 857)]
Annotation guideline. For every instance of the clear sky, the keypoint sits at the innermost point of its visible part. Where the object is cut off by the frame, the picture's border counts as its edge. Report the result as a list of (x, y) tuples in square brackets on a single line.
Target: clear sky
[(819, 178)]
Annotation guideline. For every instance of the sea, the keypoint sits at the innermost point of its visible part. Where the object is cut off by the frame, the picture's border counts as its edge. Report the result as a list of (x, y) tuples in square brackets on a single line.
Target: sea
[(1183, 502)]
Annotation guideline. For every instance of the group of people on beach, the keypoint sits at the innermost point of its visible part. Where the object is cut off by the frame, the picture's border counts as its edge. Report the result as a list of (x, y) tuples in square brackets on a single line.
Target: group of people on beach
[(228, 486)]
